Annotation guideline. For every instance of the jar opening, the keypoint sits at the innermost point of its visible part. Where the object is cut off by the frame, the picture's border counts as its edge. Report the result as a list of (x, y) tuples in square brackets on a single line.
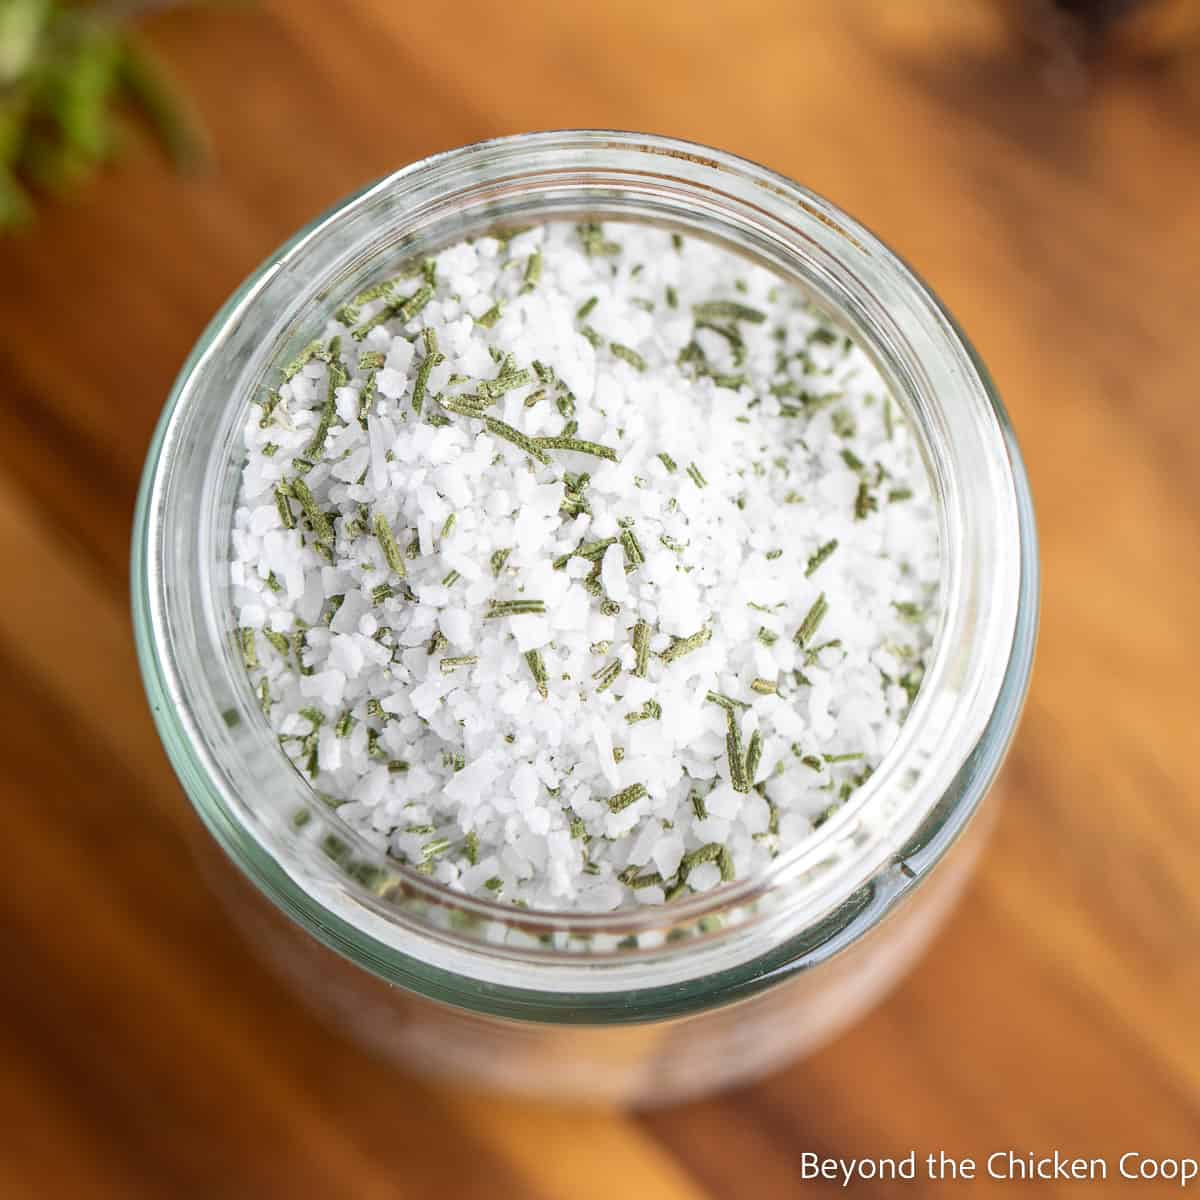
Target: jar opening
[(949, 746)]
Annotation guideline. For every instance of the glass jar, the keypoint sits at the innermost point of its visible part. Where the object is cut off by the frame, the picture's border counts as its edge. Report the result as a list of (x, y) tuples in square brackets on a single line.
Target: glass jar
[(659, 1002)]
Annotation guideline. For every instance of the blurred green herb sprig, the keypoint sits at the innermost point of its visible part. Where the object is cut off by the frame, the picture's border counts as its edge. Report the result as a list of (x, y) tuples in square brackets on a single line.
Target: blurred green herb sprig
[(66, 68)]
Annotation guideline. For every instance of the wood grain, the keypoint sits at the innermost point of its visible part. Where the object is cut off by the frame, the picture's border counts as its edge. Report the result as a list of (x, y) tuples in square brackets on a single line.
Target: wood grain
[(144, 1052)]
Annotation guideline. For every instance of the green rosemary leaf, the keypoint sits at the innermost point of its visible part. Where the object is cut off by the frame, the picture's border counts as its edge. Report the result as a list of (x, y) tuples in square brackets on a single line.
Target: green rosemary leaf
[(387, 543), (297, 364), (531, 446), (281, 503), (489, 318), (728, 310), (533, 271), (864, 502), (843, 423), (641, 648), (514, 608), (278, 640), (537, 668), (315, 449), (625, 354), (317, 519), (633, 550), (681, 646), (695, 858), (650, 711), (812, 620), (735, 754), (594, 551), (606, 675), (725, 863), (753, 755), (820, 555), (591, 234), (626, 797), (432, 359), (245, 641), (575, 444)]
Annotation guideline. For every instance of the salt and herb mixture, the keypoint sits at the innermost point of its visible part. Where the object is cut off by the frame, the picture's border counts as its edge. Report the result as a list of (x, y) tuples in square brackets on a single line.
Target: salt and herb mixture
[(584, 567)]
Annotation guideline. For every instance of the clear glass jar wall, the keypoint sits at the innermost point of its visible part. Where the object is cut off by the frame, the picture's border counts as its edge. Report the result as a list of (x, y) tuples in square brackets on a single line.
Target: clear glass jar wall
[(633, 1005)]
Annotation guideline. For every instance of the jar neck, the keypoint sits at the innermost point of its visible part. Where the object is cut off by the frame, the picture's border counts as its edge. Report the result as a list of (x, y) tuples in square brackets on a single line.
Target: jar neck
[(397, 922)]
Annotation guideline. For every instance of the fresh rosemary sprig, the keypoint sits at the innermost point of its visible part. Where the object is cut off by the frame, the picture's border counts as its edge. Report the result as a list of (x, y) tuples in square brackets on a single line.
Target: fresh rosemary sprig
[(64, 66)]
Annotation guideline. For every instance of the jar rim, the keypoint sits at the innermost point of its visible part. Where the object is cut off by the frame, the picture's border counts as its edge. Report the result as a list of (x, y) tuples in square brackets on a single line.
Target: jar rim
[(989, 678)]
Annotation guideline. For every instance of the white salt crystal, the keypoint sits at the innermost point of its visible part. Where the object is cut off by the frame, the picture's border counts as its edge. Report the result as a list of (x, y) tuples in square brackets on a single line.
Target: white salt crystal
[(668, 852), (612, 574)]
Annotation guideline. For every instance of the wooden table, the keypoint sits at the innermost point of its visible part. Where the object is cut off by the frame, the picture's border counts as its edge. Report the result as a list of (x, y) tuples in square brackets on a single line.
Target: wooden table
[(145, 1052)]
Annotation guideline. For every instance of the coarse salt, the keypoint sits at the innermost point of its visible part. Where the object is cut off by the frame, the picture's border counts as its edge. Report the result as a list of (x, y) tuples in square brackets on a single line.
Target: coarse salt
[(589, 585)]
